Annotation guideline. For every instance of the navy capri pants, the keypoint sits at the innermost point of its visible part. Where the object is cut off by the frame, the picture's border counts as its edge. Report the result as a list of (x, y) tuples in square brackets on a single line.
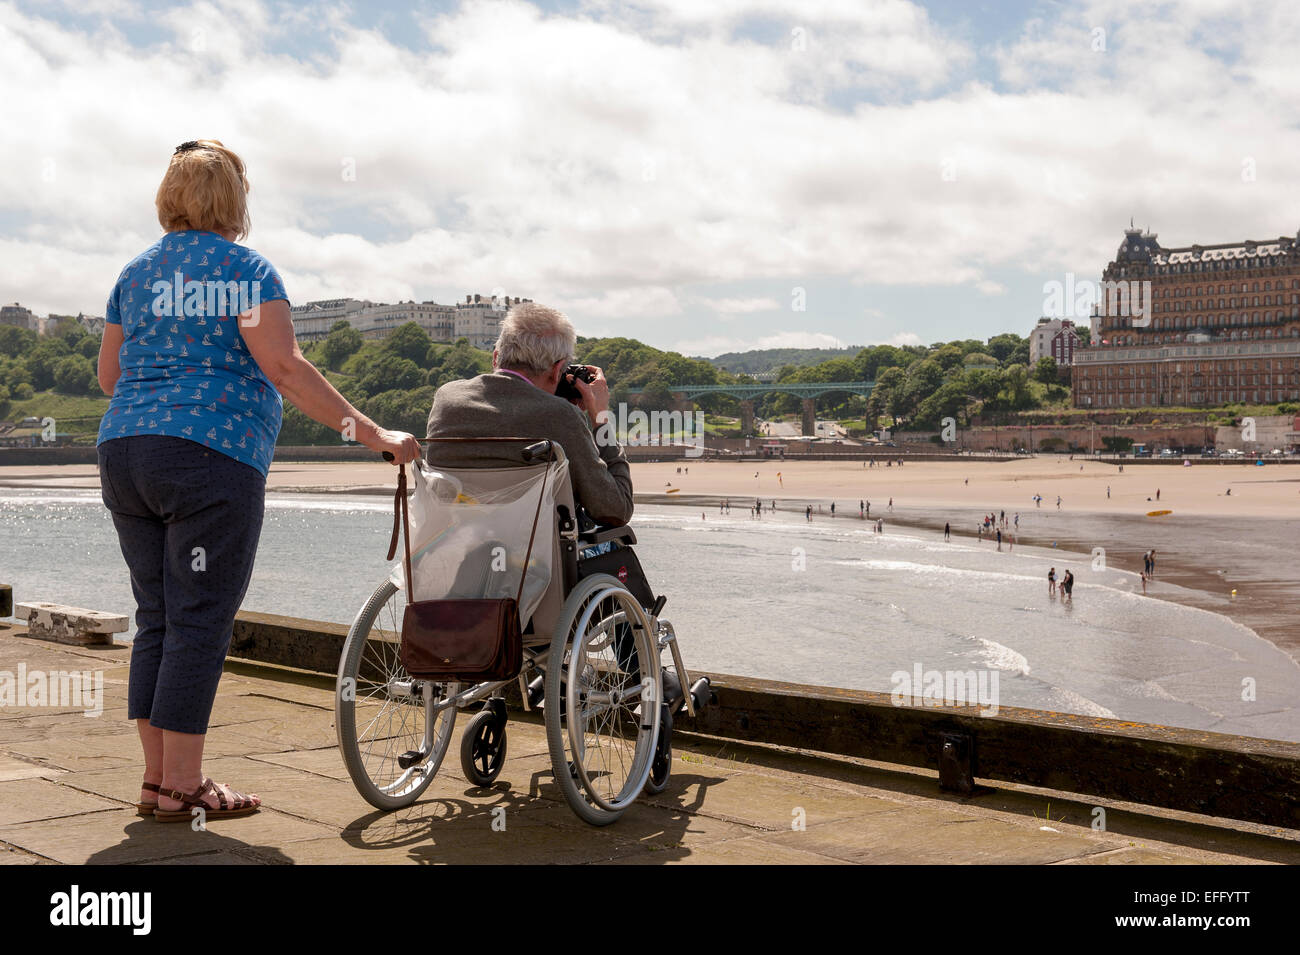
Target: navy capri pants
[(188, 520)]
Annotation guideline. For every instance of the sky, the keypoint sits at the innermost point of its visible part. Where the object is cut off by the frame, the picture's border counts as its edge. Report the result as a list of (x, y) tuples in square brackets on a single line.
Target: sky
[(703, 175)]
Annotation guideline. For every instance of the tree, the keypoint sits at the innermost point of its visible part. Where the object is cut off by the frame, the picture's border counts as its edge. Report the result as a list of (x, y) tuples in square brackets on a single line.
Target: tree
[(15, 341), (74, 375), (1046, 370), (948, 357), (342, 343), (411, 342), (391, 372), (882, 399), (1002, 346), (1015, 385), (42, 359), (923, 379)]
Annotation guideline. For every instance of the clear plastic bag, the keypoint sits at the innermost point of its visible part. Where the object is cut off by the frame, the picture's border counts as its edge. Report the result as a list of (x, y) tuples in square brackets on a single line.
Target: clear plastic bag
[(470, 529)]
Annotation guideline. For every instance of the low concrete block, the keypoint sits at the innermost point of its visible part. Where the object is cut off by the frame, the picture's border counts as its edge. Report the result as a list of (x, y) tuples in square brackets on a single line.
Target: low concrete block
[(75, 625)]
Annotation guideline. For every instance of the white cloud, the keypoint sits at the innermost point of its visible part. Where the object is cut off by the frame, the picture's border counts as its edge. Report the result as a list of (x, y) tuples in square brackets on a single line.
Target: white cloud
[(611, 159), (738, 306), (718, 344)]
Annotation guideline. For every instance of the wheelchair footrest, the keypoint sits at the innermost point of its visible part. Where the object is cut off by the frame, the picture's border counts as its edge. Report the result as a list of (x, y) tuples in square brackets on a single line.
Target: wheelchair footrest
[(702, 693), (410, 758)]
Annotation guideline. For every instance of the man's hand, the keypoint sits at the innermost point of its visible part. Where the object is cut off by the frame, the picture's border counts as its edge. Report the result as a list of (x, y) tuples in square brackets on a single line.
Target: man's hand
[(595, 395)]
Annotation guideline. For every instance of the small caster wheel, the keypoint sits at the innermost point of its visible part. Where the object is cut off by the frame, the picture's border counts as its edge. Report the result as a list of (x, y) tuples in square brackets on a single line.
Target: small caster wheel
[(483, 748), (662, 766)]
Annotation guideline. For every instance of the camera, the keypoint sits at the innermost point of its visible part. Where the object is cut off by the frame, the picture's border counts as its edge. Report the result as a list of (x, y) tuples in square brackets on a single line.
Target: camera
[(565, 389)]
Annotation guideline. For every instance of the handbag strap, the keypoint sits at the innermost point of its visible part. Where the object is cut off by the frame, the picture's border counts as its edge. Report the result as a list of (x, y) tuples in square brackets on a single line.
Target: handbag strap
[(402, 518)]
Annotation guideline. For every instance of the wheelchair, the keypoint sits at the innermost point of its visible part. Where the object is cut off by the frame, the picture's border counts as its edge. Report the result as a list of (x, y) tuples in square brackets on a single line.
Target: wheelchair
[(592, 652)]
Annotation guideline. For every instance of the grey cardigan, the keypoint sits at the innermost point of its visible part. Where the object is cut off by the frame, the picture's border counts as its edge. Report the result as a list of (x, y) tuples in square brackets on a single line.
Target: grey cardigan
[(504, 405)]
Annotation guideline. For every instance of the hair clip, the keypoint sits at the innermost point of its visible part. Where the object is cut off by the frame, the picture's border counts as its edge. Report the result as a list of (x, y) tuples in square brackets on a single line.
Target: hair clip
[(186, 147)]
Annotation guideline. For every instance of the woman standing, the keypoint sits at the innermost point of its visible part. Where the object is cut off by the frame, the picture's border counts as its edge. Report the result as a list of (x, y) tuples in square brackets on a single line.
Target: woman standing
[(198, 348)]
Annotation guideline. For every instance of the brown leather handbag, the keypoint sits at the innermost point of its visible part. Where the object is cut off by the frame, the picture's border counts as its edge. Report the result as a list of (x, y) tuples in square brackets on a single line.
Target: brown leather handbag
[(468, 640)]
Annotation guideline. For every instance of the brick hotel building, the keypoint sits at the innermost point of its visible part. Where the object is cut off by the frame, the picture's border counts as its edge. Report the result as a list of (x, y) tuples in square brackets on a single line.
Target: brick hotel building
[(1222, 325)]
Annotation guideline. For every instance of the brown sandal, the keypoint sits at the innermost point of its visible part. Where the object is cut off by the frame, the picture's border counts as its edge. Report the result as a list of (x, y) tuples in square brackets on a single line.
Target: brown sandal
[(243, 805), (147, 808)]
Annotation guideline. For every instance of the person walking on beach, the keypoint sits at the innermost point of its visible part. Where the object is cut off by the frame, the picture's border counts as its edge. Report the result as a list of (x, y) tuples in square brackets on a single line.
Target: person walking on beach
[(891, 503), (1067, 585), (1108, 492), (1144, 583), (1157, 494), (947, 531), (999, 539), (1146, 562), (1058, 507), (808, 513), (880, 525), (1051, 581), (1153, 562), (832, 508), (183, 471), (1017, 520)]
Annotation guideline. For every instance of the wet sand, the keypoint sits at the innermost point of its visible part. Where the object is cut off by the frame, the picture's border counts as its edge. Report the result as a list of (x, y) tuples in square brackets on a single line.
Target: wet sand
[(1211, 544)]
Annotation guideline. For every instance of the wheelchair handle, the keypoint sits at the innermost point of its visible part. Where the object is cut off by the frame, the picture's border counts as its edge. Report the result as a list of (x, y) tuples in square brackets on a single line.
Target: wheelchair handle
[(532, 453), (536, 452)]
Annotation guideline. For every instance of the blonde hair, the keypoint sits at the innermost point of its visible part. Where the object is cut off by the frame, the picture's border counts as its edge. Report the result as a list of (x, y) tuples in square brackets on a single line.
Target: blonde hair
[(533, 338), (205, 188)]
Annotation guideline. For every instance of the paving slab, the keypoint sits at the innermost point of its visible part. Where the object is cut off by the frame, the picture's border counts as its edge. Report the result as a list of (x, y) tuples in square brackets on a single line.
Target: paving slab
[(12, 767), (32, 799), (68, 785), (914, 835), (124, 837), (542, 836)]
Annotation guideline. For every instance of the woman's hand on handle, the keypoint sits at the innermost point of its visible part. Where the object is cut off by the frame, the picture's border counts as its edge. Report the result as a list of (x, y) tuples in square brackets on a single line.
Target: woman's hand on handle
[(396, 446)]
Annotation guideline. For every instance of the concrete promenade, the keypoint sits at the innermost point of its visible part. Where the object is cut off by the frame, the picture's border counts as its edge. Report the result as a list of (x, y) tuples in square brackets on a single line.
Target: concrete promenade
[(68, 784)]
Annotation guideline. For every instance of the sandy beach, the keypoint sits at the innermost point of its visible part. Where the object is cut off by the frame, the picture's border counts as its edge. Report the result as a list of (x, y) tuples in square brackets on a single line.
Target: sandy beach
[(1210, 545), (1200, 490)]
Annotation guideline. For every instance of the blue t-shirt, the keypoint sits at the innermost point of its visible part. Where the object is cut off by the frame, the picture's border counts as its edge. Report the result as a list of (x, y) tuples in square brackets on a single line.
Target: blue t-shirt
[(186, 371)]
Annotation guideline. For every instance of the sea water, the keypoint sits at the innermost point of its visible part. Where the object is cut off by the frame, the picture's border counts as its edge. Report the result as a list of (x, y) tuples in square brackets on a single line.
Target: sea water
[(825, 602)]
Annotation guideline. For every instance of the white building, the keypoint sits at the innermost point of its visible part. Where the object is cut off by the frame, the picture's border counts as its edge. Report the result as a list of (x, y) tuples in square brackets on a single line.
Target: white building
[(379, 321), (312, 321), (478, 318), (1053, 338)]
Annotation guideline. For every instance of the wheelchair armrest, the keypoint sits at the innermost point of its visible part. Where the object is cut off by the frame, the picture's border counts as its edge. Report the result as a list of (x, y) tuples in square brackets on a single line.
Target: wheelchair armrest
[(598, 535)]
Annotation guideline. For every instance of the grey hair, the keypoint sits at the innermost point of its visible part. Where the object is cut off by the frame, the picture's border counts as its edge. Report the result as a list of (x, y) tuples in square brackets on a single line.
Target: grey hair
[(533, 338)]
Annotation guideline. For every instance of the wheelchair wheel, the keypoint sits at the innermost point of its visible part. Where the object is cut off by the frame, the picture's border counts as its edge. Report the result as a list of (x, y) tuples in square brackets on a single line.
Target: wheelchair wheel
[(382, 715), (483, 747), (603, 690), (662, 767)]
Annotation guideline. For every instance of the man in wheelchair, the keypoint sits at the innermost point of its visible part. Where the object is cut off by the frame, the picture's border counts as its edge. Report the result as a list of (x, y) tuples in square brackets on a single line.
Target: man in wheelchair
[(518, 398)]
